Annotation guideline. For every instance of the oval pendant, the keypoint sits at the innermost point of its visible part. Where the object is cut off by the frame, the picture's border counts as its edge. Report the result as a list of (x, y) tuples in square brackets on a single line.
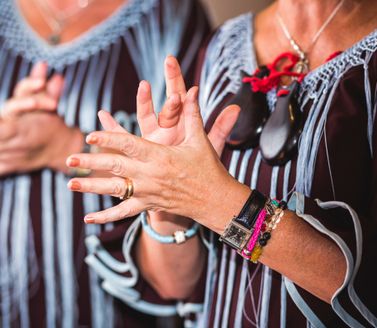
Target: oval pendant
[(280, 135), (54, 39), (254, 114)]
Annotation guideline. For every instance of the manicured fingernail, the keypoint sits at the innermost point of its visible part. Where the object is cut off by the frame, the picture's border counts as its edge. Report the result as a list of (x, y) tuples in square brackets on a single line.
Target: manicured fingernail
[(74, 185), (170, 61), (73, 162), (88, 220), (92, 139)]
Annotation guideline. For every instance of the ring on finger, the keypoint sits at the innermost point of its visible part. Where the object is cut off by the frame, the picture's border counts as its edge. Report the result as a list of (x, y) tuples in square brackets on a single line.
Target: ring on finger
[(129, 189)]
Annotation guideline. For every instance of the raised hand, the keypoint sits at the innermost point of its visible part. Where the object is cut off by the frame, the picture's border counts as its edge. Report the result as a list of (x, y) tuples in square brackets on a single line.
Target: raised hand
[(168, 127), (165, 178)]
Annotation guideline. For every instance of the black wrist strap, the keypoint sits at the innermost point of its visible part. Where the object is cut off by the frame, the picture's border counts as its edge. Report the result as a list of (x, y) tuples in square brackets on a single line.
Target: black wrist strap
[(249, 213)]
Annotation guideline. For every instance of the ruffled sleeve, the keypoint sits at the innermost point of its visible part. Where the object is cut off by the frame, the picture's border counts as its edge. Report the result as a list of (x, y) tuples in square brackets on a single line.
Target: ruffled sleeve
[(343, 203)]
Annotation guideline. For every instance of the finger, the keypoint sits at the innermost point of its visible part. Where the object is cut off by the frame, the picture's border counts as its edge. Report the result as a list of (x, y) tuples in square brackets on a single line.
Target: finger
[(114, 163), (174, 78), (125, 142), (109, 123), (29, 86), (128, 208), (116, 187), (223, 126), (170, 113), (39, 71), (55, 86), (16, 106), (193, 119), (145, 113)]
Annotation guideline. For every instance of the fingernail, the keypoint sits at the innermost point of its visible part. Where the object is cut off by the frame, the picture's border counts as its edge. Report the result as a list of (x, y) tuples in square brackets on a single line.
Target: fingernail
[(170, 61), (73, 162), (143, 85), (91, 139), (74, 185), (88, 220)]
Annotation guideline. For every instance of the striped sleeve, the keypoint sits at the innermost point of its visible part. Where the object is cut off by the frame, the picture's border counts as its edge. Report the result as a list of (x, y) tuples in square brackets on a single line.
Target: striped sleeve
[(354, 303), (346, 170)]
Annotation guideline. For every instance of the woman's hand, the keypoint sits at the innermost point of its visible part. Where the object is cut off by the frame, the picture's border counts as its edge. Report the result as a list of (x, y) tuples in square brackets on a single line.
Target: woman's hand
[(32, 135), (35, 92), (186, 179), (168, 127), (36, 140)]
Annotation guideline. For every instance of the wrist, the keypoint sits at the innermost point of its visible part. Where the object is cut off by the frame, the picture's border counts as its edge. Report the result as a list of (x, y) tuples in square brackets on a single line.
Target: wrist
[(167, 223), (178, 236), (227, 206)]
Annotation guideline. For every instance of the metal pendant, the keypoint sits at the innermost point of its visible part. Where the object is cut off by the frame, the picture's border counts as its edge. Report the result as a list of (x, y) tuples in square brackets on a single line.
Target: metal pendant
[(280, 135), (54, 39)]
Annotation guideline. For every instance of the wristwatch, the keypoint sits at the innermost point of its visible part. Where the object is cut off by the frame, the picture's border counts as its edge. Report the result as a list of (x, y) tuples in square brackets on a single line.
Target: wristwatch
[(240, 228)]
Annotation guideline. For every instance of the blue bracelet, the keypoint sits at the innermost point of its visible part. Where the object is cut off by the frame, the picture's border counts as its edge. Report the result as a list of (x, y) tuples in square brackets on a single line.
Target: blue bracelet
[(178, 237)]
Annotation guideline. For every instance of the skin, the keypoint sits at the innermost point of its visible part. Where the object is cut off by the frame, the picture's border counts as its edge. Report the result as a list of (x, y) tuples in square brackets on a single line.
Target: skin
[(165, 179), (24, 146)]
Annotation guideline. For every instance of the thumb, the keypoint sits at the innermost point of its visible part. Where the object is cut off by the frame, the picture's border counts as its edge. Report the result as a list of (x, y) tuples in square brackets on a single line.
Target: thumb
[(223, 126), (39, 70), (193, 119), (108, 122)]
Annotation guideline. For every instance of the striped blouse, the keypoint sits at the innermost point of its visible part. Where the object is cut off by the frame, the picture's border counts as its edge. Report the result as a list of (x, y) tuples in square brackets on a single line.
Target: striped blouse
[(331, 184), (44, 281)]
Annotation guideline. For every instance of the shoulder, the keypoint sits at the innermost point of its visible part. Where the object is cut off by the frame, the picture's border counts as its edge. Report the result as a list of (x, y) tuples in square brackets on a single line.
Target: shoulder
[(235, 33)]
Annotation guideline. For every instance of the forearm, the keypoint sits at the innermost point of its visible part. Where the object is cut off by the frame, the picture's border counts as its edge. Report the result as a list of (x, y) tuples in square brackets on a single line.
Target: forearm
[(305, 256), (173, 270), (299, 252)]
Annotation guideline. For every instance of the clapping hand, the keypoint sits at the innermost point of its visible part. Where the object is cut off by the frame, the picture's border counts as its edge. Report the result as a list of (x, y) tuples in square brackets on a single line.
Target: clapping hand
[(166, 164), (32, 135)]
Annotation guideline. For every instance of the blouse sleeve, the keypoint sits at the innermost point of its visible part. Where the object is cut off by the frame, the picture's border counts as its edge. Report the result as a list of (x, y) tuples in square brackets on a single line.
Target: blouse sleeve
[(349, 218)]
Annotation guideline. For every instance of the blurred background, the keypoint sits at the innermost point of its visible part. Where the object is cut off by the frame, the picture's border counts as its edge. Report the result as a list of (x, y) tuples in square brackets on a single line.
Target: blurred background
[(221, 10)]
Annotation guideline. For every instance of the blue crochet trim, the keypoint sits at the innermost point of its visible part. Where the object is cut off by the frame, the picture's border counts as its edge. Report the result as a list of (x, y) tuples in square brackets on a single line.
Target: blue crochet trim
[(21, 40), (166, 239)]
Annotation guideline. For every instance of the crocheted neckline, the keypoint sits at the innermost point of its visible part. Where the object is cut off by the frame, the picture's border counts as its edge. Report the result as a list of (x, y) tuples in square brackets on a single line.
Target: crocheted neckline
[(351, 56), (22, 40)]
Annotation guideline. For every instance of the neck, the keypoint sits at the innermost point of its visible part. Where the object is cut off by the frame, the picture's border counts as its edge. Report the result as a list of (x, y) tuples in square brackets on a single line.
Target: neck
[(305, 17)]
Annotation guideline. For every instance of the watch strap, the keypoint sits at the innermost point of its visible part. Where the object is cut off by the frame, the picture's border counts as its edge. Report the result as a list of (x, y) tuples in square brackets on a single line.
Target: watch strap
[(249, 213)]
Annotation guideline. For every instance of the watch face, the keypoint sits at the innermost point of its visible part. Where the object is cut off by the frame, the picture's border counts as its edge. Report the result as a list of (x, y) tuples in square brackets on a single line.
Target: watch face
[(236, 236)]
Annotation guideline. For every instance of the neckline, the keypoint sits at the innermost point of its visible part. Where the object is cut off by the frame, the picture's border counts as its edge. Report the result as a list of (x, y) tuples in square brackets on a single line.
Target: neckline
[(314, 73), (35, 36), (21, 40)]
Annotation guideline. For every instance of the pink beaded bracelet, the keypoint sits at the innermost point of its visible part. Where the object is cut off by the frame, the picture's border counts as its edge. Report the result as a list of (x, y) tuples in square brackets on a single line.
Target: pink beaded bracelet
[(254, 238)]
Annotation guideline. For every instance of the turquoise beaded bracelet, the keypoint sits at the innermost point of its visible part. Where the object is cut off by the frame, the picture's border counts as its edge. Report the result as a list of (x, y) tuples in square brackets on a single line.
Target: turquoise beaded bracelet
[(178, 237)]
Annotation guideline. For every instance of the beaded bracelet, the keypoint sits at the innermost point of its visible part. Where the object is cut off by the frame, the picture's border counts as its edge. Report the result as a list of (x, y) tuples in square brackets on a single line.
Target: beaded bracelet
[(254, 237), (265, 232), (178, 237)]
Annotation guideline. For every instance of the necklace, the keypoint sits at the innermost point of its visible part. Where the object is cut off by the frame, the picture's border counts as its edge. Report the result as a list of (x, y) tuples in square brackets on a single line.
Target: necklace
[(57, 18), (303, 65)]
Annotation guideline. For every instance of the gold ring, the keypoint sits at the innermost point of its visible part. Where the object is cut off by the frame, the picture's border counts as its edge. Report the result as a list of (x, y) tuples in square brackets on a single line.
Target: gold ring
[(129, 190)]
